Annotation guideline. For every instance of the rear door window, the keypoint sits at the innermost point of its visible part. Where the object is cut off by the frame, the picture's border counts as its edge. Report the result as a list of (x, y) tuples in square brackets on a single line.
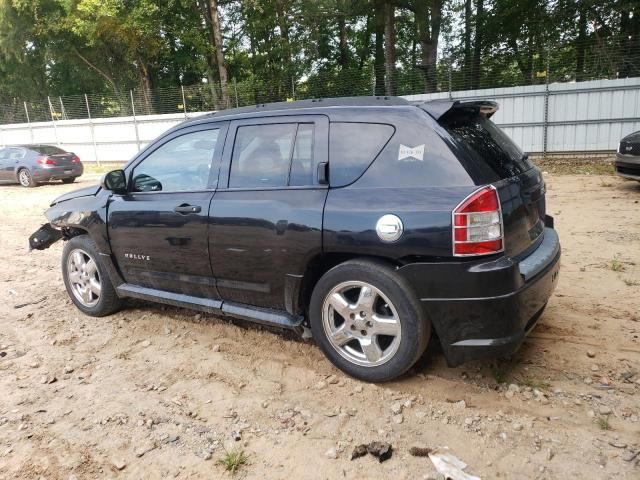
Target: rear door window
[(273, 155), (352, 147), (486, 144)]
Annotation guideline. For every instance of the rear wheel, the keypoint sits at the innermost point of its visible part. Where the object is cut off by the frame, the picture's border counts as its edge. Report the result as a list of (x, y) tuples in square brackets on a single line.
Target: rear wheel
[(69, 180), (25, 178), (367, 320), (86, 278)]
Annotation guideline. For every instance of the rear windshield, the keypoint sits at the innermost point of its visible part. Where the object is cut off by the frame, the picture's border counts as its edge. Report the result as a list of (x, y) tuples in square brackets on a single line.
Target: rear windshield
[(486, 144), (47, 149)]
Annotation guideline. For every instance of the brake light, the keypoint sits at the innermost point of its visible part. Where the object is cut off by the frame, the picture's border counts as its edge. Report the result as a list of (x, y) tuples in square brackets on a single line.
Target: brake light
[(44, 160), (75, 159), (477, 224)]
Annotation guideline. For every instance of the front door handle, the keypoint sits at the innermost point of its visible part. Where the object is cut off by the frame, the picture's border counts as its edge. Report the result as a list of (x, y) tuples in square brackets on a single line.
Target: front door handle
[(186, 208)]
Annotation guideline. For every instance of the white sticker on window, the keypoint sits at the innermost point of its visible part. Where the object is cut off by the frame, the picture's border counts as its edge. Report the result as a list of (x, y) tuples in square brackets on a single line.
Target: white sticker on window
[(411, 153)]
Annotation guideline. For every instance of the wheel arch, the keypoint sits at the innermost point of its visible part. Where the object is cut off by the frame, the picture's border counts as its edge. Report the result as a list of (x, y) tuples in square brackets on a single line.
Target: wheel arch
[(298, 294)]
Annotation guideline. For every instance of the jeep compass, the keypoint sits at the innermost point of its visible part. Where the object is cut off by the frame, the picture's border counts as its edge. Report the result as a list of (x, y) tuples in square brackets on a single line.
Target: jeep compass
[(372, 223)]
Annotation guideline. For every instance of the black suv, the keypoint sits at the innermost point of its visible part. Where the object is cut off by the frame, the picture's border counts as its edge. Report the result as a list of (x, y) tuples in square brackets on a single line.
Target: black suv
[(373, 222)]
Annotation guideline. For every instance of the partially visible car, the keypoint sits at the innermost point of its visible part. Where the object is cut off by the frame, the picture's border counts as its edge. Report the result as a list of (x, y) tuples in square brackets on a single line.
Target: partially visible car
[(628, 157), (29, 165)]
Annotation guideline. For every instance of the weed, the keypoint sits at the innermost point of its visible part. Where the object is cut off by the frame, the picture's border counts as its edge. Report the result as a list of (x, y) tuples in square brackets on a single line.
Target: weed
[(631, 283), (499, 373), (533, 382), (233, 459), (616, 265), (605, 184), (603, 423)]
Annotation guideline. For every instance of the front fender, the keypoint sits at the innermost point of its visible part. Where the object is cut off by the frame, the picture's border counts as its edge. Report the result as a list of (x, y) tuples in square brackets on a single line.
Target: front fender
[(87, 213)]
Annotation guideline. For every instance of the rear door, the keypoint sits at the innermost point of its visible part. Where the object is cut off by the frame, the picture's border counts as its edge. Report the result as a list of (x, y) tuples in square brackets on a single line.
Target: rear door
[(266, 217), (158, 231)]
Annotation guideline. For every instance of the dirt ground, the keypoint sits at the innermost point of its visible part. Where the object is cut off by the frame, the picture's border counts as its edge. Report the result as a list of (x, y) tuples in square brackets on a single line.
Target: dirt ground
[(160, 392)]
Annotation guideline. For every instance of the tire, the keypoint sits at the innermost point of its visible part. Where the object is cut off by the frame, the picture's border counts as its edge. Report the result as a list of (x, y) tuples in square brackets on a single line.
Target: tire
[(25, 178), (375, 298), (86, 278), (69, 180)]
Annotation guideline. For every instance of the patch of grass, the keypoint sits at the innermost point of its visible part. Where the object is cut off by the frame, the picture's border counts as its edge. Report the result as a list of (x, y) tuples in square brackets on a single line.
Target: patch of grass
[(499, 373), (533, 382), (605, 184), (233, 459), (104, 167), (563, 165), (630, 282), (603, 423), (616, 265)]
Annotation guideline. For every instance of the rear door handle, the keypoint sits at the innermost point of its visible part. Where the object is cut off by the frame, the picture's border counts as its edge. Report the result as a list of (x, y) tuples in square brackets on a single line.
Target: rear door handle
[(186, 208)]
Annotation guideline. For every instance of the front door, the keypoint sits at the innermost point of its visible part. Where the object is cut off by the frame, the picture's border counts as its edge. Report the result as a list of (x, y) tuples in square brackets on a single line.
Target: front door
[(158, 231), (266, 217)]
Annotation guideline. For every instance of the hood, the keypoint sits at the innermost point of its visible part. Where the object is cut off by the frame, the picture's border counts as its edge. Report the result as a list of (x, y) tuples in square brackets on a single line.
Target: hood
[(81, 192), (632, 138)]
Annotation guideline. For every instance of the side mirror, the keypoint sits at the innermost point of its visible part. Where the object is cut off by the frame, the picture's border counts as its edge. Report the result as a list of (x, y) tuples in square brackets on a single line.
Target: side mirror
[(115, 181)]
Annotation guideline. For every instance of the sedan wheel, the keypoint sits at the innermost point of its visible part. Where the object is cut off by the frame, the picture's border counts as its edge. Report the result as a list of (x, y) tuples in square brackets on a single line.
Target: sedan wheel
[(84, 277), (25, 178), (361, 323)]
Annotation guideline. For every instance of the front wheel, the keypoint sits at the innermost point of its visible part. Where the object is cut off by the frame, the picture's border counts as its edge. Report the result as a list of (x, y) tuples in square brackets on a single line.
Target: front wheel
[(86, 278), (367, 320)]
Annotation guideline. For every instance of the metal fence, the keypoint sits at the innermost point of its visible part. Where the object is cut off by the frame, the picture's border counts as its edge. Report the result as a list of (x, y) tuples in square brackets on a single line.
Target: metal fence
[(560, 117)]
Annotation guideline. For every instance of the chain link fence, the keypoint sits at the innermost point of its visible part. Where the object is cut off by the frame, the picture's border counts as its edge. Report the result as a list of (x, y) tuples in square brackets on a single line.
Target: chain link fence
[(558, 64)]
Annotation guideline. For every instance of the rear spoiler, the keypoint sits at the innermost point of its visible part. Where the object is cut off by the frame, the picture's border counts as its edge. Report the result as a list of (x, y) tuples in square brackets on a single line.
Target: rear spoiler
[(439, 108)]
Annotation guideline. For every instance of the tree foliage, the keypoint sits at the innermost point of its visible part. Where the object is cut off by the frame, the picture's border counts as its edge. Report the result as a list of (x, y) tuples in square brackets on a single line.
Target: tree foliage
[(278, 49)]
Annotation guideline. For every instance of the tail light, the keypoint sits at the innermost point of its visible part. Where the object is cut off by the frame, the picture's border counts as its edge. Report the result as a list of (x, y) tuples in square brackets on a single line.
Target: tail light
[(75, 159), (477, 224), (44, 160)]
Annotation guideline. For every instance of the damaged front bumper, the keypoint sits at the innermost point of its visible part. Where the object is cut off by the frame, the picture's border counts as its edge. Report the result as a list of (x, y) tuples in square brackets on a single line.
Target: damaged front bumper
[(44, 237)]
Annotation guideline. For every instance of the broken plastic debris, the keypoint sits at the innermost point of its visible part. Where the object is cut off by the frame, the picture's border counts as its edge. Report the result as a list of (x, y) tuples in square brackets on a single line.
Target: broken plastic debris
[(449, 465)]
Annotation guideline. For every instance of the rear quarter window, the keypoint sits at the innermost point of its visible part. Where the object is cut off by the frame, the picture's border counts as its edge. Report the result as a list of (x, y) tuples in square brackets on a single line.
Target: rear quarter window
[(352, 148)]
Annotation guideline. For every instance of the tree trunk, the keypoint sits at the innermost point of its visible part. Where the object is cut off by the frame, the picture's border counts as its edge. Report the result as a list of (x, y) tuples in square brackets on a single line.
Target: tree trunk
[(477, 46), (467, 43), (390, 47), (219, 51), (366, 45), (379, 58), (343, 48), (283, 25), (145, 84), (429, 20)]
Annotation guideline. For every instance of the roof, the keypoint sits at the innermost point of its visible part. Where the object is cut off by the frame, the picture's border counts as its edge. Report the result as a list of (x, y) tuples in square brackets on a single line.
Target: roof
[(362, 101)]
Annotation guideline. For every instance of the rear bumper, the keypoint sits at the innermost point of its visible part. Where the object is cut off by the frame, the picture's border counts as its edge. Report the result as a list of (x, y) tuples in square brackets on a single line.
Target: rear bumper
[(628, 166), (485, 309), (57, 173)]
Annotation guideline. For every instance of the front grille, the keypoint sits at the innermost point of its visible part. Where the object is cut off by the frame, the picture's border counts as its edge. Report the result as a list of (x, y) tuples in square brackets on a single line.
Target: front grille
[(628, 171), (628, 148)]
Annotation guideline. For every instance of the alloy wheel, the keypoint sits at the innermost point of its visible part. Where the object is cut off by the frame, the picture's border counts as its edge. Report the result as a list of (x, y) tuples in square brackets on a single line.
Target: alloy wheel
[(24, 177), (361, 324), (84, 278)]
